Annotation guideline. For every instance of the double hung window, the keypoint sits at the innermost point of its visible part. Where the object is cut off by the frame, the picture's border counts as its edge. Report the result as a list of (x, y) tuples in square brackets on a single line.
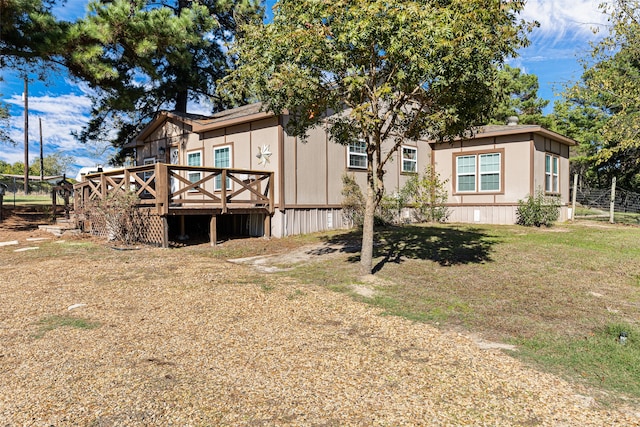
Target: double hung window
[(409, 159), (194, 159), (551, 174), (222, 159), (357, 155), (480, 172)]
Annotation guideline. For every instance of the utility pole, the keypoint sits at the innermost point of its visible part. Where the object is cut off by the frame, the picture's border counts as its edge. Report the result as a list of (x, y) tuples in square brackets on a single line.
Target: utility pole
[(26, 135), (41, 152)]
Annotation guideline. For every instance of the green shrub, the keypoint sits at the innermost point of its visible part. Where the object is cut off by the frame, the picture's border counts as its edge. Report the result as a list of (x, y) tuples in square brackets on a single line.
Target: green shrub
[(353, 203), (538, 210), (428, 195)]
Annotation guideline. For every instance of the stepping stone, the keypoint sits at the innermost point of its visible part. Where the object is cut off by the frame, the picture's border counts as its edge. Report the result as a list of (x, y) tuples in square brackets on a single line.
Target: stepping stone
[(26, 249), (12, 242), (36, 239)]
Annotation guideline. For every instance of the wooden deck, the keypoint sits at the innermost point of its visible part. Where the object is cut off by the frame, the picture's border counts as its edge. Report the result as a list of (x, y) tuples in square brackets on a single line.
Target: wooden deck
[(165, 190)]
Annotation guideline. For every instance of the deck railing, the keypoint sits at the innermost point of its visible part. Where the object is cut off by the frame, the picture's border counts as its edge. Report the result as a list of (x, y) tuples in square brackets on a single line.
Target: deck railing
[(169, 188)]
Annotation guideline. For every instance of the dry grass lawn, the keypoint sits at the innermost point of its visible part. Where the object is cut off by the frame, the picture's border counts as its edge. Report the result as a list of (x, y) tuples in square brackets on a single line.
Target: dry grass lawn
[(97, 336)]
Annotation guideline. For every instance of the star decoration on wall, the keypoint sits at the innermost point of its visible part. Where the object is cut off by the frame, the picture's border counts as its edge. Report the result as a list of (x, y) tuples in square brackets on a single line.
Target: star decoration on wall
[(263, 155)]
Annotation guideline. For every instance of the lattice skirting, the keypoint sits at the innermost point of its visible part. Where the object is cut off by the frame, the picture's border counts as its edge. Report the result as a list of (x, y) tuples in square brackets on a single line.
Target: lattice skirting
[(144, 228)]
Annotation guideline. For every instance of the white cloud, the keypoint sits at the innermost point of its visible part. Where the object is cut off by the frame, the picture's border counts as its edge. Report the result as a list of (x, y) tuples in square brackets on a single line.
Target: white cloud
[(565, 21), (564, 38), (61, 115), (69, 105), (562, 19)]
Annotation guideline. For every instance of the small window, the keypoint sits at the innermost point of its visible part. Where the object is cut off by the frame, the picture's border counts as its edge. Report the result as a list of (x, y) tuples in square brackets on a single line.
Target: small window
[(466, 173), (194, 159), (490, 172), (409, 159), (222, 159), (357, 153), (551, 174)]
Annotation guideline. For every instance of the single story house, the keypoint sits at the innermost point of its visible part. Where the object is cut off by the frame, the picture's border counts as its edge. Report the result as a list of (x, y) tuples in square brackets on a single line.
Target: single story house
[(487, 173)]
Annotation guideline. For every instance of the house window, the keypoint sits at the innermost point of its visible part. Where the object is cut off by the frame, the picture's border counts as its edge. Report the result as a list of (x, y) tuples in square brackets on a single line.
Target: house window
[(222, 159), (194, 159), (466, 173), (357, 154), (551, 175), (489, 172), (481, 172), (409, 159), (146, 175)]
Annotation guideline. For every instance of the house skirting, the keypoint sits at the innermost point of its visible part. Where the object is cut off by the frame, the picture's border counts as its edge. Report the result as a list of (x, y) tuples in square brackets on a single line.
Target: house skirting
[(294, 221), (491, 214)]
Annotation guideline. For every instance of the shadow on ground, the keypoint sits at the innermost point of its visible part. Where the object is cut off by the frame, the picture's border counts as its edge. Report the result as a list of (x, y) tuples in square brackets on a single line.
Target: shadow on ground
[(24, 218), (445, 245)]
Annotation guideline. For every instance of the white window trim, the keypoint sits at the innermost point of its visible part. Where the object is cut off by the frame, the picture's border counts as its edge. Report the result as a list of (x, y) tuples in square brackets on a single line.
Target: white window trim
[(352, 153), (414, 161), (480, 173), (474, 174), (216, 186), (554, 178), (189, 174), (146, 175)]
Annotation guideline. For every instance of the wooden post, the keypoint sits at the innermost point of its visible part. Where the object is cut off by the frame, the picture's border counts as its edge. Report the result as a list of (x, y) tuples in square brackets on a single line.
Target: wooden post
[(54, 201), (573, 201), (127, 180), (162, 195), (165, 232), (223, 188), (271, 194), (103, 185), (612, 203), (1, 199), (267, 226), (213, 230), (183, 234)]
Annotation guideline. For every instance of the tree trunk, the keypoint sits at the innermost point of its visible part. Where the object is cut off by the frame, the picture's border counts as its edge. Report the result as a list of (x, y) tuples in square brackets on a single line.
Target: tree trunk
[(181, 101), (366, 251)]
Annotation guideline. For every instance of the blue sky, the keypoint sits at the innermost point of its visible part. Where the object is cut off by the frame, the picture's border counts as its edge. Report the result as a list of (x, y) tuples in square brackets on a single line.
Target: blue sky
[(566, 29)]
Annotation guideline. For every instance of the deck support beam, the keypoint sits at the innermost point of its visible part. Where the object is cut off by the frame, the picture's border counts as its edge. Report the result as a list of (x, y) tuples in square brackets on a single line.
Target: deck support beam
[(267, 226), (183, 229), (213, 230), (165, 232)]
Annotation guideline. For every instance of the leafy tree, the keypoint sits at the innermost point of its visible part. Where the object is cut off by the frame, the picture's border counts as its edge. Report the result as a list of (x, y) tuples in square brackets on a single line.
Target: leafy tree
[(393, 70), (5, 167), (518, 96), (602, 110), (141, 56), (4, 125), (30, 36), (54, 164), (583, 123)]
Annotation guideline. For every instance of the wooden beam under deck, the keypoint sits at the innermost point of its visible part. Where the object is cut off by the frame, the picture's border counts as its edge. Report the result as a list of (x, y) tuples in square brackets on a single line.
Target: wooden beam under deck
[(213, 230), (177, 211)]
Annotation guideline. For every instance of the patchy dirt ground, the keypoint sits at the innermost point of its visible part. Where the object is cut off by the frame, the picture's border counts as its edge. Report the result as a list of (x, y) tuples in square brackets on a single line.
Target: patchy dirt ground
[(95, 336)]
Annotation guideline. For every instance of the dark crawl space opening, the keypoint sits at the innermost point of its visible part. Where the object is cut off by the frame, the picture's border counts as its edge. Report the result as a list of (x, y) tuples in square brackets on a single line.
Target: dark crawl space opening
[(196, 228)]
